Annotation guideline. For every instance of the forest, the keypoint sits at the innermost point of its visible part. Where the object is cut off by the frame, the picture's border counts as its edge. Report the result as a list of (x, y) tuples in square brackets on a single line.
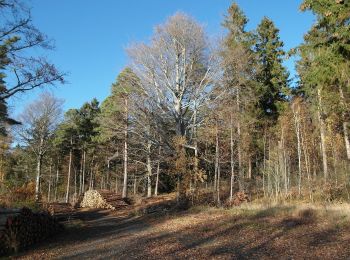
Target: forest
[(216, 122)]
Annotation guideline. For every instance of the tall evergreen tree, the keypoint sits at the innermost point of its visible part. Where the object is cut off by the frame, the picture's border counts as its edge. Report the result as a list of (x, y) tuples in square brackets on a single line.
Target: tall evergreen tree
[(273, 76), (240, 66), (115, 116)]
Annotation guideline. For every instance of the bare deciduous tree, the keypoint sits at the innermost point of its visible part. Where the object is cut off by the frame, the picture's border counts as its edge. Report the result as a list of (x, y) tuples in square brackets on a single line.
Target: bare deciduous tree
[(176, 69), (17, 34), (39, 122)]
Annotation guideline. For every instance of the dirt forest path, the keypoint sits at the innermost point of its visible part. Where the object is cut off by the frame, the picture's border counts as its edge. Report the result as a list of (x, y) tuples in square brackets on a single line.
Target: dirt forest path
[(198, 234), (98, 234)]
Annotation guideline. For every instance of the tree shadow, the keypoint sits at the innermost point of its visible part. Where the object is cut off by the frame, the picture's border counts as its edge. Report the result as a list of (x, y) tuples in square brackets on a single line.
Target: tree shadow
[(234, 237)]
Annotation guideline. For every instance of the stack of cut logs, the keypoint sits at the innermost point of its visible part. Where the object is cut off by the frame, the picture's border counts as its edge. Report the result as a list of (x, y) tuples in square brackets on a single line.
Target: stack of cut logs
[(22, 228), (56, 208), (102, 199), (62, 211)]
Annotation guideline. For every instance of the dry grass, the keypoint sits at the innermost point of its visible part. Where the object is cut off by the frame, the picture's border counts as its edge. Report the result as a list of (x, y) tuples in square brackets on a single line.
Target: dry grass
[(324, 211)]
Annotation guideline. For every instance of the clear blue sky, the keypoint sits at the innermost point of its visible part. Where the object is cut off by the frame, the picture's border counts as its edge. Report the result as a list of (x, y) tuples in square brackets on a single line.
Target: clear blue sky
[(91, 36)]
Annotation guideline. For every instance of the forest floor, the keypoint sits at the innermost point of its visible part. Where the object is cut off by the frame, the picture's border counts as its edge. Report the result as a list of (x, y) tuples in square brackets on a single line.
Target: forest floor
[(247, 232)]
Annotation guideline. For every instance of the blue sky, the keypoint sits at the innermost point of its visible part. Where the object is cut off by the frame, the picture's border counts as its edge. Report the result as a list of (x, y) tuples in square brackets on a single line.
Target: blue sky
[(91, 36)]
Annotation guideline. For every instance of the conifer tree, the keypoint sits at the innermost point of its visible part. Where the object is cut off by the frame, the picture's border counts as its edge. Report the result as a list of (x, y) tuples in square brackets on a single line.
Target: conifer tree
[(239, 65), (115, 116), (273, 76)]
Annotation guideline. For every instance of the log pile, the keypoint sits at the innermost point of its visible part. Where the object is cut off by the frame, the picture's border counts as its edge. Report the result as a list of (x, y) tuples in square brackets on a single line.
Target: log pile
[(23, 228), (103, 199), (62, 211), (59, 208)]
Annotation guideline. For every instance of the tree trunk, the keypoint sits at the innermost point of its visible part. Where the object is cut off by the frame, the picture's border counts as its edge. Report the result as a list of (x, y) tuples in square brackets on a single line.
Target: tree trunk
[(38, 176), (196, 160), (57, 176), (158, 169), (269, 167), (239, 149), (81, 174), (345, 123), (90, 180), (84, 169), (218, 184), (249, 167), (296, 113), (149, 169), (69, 173), (38, 170), (108, 175), (264, 163), (75, 182), (322, 135), (216, 157), (135, 184), (232, 161), (50, 179), (125, 183), (346, 139), (157, 180), (305, 149)]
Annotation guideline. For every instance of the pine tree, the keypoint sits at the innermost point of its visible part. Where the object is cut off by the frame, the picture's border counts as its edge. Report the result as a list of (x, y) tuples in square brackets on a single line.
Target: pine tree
[(115, 115)]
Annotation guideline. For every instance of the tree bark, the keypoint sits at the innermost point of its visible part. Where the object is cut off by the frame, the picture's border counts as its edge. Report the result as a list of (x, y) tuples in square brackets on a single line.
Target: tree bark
[(296, 113), (149, 169), (57, 176), (108, 175), (264, 163), (125, 181), (322, 135), (116, 182), (249, 167), (75, 182), (158, 170), (216, 157), (232, 161), (239, 149), (218, 184), (81, 174), (84, 169), (38, 170), (345, 123), (69, 171), (38, 176), (50, 180)]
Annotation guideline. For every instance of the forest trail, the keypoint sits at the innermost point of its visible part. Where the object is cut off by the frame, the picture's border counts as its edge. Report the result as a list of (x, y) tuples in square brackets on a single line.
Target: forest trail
[(199, 234)]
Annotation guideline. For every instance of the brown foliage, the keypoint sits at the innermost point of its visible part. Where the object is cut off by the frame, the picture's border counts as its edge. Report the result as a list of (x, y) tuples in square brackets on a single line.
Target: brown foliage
[(22, 195), (25, 192), (238, 198)]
